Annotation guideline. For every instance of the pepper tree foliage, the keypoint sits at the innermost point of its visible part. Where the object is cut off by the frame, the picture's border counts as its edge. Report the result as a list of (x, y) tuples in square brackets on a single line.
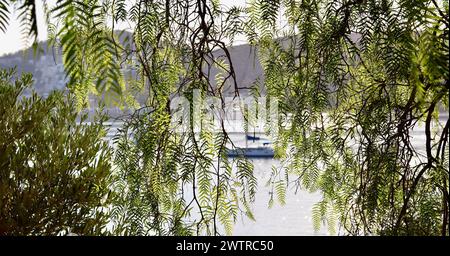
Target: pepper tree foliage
[(353, 79), (178, 183), (170, 51), (26, 13), (54, 172), (169, 183)]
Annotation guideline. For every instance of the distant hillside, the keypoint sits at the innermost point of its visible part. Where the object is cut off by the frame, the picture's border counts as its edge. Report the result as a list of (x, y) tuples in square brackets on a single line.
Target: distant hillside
[(47, 67), (48, 70)]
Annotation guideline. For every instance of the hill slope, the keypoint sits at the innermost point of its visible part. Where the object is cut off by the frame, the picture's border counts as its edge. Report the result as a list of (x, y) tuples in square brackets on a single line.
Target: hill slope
[(48, 70)]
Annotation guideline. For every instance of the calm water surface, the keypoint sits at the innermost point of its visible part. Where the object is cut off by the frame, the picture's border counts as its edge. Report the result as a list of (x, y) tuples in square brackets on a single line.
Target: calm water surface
[(294, 218)]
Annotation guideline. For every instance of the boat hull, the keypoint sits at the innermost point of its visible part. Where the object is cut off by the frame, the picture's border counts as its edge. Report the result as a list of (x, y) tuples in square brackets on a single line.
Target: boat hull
[(261, 152)]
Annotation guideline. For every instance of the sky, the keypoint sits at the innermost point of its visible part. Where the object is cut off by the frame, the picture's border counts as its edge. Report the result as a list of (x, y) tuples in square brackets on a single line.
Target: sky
[(13, 41)]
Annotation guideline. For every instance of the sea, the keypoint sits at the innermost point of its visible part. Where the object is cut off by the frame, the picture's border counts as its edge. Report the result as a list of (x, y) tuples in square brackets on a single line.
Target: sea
[(295, 217)]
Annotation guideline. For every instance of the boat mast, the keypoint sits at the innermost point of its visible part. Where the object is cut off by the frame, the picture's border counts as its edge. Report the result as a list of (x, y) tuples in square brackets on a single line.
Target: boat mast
[(246, 136)]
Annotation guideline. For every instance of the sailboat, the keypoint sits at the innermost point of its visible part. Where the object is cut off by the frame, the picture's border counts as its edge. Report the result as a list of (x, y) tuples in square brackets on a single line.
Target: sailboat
[(249, 137), (253, 152)]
